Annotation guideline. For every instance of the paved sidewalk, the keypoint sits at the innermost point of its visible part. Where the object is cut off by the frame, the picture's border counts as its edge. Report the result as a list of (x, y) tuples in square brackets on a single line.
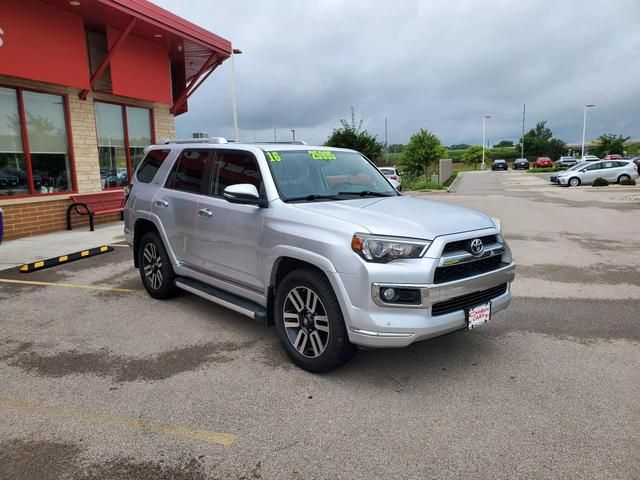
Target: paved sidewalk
[(14, 253)]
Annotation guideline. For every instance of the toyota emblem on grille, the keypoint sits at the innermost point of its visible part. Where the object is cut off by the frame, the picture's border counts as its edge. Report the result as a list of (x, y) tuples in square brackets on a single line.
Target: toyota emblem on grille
[(476, 247)]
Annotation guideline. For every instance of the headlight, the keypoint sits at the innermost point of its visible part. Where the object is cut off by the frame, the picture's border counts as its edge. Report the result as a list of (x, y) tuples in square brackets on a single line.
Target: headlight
[(379, 249)]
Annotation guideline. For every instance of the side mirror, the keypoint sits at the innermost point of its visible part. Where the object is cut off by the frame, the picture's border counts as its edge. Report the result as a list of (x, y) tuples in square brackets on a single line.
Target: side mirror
[(243, 193)]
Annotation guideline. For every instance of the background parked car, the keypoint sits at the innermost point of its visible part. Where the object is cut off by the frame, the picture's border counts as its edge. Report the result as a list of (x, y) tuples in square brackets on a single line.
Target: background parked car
[(392, 174), (499, 164), (566, 162), (613, 156), (636, 160), (521, 163), (614, 171), (543, 162), (589, 158)]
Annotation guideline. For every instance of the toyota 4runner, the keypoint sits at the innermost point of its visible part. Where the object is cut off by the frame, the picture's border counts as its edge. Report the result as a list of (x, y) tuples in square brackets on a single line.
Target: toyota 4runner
[(314, 241)]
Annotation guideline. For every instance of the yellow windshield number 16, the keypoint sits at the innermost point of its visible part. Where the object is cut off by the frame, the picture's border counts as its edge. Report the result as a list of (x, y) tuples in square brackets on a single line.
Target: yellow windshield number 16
[(274, 156)]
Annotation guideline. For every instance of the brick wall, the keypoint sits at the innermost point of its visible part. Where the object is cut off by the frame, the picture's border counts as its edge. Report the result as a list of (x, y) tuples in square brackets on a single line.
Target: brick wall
[(27, 219)]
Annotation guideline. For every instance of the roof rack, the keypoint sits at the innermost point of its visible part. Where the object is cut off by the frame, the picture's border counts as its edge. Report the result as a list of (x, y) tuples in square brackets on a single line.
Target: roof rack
[(294, 142), (196, 140)]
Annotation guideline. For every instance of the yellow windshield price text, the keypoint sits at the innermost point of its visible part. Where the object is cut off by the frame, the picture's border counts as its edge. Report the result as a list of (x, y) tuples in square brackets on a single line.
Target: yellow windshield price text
[(322, 155)]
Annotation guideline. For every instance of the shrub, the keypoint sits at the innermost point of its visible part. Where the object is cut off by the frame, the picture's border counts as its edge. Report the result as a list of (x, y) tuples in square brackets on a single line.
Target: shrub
[(628, 181), (600, 182)]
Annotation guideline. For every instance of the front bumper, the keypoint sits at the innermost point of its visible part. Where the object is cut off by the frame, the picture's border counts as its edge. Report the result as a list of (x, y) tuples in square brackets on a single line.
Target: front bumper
[(391, 326)]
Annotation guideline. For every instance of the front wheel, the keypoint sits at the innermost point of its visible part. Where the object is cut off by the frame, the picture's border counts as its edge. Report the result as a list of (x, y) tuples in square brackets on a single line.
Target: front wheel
[(309, 322), (574, 181), (156, 271), (623, 178)]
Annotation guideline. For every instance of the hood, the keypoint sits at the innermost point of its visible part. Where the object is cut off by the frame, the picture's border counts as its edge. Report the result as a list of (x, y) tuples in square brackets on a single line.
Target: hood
[(403, 216)]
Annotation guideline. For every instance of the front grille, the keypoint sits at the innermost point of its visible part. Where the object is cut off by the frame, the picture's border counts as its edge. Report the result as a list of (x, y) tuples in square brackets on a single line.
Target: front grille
[(467, 301), (462, 244), (464, 270)]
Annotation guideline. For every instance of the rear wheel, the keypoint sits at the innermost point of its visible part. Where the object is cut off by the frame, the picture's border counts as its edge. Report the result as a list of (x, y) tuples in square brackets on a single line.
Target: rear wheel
[(309, 322), (623, 178), (574, 181), (156, 271)]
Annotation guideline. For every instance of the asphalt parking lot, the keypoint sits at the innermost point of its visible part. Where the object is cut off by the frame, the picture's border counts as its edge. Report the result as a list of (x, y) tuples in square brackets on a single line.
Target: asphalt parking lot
[(99, 381)]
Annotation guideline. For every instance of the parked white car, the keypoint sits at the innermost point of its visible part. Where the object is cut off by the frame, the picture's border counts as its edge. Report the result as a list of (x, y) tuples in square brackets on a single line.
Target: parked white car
[(392, 175), (589, 158), (614, 171)]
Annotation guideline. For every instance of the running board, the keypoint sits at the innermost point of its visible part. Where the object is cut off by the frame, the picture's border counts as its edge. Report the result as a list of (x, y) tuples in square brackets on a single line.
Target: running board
[(222, 298)]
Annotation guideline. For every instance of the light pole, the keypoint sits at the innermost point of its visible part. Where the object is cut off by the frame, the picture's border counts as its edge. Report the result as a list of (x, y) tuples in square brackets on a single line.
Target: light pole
[(484, 130), (234, 103), (584, 125), (293, 134)]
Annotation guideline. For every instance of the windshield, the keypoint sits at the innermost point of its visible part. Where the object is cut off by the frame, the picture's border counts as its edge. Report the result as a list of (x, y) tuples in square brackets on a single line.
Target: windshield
[(310, 175), (387, 171)]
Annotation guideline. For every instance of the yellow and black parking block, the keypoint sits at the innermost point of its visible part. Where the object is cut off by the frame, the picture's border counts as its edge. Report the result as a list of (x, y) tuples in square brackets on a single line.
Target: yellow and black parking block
[(71, 257)]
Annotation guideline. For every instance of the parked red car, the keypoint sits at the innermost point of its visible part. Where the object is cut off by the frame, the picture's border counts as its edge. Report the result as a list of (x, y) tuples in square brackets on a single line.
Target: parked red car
[(542, 162), (613, 156)]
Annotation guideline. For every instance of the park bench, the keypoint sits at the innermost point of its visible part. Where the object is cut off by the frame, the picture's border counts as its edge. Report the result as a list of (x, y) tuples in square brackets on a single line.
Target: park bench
[(96, 204)]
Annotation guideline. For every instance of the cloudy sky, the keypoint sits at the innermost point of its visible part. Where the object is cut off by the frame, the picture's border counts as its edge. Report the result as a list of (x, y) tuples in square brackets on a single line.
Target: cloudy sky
[(437, 64)]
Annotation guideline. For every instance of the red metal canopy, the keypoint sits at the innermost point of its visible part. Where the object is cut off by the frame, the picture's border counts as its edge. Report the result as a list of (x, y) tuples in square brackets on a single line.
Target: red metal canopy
[(193, 51)]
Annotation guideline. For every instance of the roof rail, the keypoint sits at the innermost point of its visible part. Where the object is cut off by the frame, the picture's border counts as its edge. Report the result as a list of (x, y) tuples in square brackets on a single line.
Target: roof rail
[(294, 142), (196, 140)]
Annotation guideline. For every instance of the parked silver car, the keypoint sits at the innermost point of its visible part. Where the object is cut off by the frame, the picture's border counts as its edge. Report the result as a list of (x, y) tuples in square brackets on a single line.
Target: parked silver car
[(392, 175), (613, 171), (566, 162), (315, 241)]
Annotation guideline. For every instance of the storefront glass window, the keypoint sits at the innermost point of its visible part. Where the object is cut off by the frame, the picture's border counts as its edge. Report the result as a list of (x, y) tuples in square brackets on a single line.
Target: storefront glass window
[(47, 160), (13, 169), (111, 146), (121, 149), (139, 126), (47, 133)]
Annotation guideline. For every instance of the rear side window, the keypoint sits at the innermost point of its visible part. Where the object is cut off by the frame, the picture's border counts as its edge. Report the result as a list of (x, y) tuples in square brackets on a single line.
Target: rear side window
[(150, 165), (188, 172), (232, 167)]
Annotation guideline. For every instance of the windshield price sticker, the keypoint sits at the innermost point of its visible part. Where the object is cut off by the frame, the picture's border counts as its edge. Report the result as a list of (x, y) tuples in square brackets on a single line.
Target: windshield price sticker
[(322, 155), (274, 156)]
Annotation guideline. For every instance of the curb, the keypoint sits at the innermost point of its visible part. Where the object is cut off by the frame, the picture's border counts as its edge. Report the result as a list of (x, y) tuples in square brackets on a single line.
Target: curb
[(71, 257), (452, 188)]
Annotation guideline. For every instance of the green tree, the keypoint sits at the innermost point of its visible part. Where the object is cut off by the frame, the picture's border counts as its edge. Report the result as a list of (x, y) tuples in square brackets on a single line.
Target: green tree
[(473, 156), (459, 146), (503, 144), (608, 144), (539, 141), (423, 150), (395, 148), (351, 135)]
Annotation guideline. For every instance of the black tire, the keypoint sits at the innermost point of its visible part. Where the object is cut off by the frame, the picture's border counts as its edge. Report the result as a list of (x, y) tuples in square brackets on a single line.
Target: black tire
[(155, 267), (622, 178), (571, 182), (331, 334)]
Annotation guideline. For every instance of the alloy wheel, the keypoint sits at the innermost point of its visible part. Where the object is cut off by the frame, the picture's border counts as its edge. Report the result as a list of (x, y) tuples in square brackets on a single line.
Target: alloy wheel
[(152, 264), (306, 322)]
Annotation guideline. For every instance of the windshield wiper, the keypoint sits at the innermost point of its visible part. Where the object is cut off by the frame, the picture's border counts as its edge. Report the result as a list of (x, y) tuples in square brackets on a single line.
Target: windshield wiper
[(312, 197), (367, 193)]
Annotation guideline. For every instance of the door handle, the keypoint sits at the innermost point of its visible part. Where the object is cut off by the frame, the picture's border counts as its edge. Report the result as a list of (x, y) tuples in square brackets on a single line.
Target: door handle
[(205, 212), (161, 203)]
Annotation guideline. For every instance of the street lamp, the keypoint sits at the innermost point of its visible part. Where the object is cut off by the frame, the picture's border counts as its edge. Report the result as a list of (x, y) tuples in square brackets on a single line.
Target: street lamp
[(484, 128), (234, 103), (293, 134), (584, 125)]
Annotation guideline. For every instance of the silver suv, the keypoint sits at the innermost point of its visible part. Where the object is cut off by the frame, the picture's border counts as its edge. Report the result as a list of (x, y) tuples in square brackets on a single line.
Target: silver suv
[(315, 241)]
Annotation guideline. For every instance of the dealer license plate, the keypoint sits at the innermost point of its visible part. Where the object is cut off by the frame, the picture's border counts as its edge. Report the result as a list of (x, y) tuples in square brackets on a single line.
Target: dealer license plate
[(478, 316)]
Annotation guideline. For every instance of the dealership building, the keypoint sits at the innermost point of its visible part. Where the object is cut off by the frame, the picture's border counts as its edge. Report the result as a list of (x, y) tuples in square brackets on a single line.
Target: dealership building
[(85, 86)]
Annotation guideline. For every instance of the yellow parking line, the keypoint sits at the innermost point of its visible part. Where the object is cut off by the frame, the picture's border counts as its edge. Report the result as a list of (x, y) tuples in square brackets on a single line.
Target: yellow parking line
[(207, 436), (67, 285)]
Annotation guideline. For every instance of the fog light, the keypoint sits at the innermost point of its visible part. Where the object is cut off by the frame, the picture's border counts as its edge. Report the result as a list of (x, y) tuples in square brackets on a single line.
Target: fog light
[(388, 294)]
